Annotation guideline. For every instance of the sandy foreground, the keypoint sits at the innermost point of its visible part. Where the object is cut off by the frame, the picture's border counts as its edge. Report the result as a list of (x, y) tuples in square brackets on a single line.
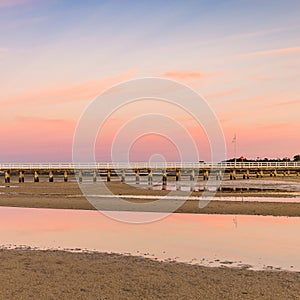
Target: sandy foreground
[(69, 196), (36, 274), (27, 274)]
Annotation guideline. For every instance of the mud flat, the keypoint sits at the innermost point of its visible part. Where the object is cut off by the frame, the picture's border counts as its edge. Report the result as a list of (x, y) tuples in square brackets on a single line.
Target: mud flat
[(28, 274), (69, 196)]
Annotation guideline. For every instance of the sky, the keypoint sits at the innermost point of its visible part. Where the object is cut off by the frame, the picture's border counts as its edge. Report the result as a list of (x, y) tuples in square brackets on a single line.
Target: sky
[(241, 56)]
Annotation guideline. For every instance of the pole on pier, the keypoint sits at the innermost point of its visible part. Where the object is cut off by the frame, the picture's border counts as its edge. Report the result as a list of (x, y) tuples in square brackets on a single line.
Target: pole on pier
[(80, 176), (234, 142), (65, 176), (150, 176), (94, 176), (51, 176), (36, 176)]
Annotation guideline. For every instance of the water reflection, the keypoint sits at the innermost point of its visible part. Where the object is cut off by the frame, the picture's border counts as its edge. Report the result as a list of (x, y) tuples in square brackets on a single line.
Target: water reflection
[(227, 186), (211, 240)]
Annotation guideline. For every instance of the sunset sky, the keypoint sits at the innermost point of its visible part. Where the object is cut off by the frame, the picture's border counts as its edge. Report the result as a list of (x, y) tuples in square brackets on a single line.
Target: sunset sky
[(242, 56)]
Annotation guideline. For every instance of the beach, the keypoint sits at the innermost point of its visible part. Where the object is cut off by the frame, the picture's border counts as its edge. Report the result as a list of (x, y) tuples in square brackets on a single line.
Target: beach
[(51, 274), (28, 274)]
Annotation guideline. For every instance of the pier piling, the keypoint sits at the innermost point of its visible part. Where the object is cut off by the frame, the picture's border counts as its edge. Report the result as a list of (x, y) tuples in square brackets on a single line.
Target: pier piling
[(65, 176), (232, 175), (177, 174), (51, 176), (36, 176), (137, 176), (205, 175), (123, 176), (7, 176), (164, 177), (192, 176), (150, 176), (21, 176)]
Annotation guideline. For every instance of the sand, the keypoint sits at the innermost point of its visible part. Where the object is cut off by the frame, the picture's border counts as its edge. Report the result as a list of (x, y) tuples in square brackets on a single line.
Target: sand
[(69, 196), (27, 274), (36, 274)]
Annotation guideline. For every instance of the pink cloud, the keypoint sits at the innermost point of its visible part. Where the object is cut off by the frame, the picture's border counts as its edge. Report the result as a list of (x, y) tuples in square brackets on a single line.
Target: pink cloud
[(184, 74), (223, 93), (272, 52), (292, 102), (84, 91), (189, 74)]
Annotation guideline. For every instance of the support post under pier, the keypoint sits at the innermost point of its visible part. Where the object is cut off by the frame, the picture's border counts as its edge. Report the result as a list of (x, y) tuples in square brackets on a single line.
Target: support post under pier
[(150, 176), (36, 176), (51, 176), (21, 176), (65, 176), (7, 176)]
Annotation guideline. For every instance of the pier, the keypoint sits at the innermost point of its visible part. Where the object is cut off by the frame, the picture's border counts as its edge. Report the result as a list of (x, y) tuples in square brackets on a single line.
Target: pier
[(235, 170)]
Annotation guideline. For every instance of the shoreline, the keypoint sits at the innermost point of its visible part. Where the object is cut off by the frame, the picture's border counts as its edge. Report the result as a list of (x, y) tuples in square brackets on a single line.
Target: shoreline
[(52, 274)]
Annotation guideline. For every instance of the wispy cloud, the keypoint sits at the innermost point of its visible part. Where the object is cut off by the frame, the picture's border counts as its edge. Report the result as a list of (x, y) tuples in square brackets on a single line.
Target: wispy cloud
[(84, 91), (223, 93), (187, 74), (9, 3), (272, 52), (283, 103), (43, 121)]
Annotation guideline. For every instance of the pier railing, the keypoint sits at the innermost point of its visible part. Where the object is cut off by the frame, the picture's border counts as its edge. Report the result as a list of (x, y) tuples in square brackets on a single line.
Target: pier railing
[(150, 165)]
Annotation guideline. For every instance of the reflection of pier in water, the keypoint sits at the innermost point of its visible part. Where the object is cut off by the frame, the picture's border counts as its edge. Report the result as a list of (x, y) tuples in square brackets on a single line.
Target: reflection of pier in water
[(192, 172)]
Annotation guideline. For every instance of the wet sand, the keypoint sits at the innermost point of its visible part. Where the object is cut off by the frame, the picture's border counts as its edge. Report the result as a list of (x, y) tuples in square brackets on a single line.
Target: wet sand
[(27, 274), (69, 196)]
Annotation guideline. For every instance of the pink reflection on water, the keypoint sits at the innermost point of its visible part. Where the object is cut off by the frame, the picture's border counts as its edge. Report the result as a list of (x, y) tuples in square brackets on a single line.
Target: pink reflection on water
[(205, 239)]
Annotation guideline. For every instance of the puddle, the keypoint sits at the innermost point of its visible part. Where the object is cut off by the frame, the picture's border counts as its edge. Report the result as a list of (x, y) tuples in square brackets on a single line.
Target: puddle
[(255, 242)]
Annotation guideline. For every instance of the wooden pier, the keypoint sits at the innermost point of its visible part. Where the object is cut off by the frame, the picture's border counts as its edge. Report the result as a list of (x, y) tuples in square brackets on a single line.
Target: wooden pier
[(235, 170)]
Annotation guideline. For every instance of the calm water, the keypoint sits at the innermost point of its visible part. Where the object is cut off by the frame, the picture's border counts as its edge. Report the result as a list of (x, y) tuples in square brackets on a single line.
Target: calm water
[(212, 240)]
